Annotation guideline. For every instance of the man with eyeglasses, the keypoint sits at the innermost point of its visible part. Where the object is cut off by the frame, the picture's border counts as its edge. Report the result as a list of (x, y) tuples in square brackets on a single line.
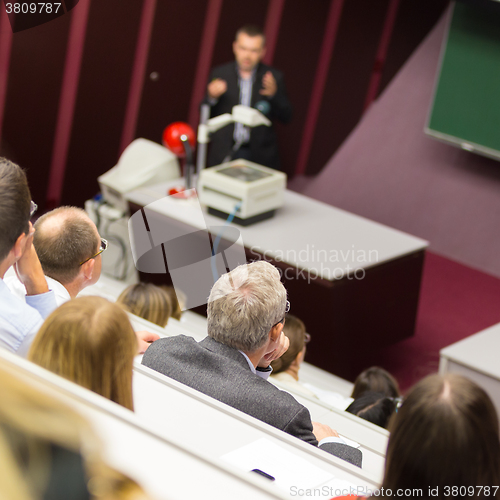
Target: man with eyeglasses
[(20, 320), (246, 314), (69, 248)]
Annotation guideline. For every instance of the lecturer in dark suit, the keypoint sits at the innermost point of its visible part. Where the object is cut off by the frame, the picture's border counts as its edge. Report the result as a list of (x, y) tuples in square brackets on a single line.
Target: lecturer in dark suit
[(247, 81), (246, 314)]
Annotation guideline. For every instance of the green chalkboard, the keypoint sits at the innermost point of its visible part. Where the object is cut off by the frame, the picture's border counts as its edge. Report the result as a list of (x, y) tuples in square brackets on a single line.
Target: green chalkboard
[(466, 107)]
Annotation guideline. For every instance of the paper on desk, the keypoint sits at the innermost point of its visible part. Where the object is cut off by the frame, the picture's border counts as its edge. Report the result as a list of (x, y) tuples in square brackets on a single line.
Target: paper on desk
[(289, 470)]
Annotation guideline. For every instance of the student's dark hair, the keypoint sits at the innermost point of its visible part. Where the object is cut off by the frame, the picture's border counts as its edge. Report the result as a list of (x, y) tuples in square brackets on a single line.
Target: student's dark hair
[(444, 435), (61, 252), (375, 379), (15, 199), (374, 407), (295, 330), (251, 30)]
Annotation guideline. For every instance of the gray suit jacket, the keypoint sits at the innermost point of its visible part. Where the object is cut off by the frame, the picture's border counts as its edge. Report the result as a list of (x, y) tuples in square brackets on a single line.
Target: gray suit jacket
[(222, 372)]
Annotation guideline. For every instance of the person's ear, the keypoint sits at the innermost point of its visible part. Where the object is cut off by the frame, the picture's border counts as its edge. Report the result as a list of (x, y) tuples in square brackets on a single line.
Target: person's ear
[(88, 269), (19, 245), (275, 332)]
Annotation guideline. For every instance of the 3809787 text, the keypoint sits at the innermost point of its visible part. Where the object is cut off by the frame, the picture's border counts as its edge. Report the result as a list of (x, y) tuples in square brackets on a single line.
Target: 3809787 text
[(32, 8)]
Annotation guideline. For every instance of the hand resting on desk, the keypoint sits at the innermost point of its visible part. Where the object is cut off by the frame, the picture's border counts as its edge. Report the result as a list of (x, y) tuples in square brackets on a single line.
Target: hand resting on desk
[(145, 339), (322, 431)]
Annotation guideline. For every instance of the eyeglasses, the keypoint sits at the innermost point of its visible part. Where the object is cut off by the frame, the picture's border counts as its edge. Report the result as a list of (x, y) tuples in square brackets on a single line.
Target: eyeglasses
[(104, 245), (307, 338), (33, 208), (287, 308)]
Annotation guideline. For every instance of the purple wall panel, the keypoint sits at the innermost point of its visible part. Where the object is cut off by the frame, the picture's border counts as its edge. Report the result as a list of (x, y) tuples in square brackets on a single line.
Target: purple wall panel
[(299, 42), (350, 70), (102, 96), (38, 58), (413, 23), (173, 55), (34, 85), (205, 53)]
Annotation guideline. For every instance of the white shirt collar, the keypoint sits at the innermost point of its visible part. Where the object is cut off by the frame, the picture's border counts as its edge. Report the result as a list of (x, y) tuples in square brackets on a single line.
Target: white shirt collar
[(62, 295), (250, 364)]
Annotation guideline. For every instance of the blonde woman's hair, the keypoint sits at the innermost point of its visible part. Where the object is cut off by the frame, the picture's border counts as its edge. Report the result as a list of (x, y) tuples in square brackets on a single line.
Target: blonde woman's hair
[(177, 300), (147, 301), (31, 425), (89, 341)]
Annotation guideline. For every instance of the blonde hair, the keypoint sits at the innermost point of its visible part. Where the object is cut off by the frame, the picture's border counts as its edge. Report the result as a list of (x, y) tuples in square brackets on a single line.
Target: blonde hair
[(177, 300), (147, 301), (31, 424), (89, 341)]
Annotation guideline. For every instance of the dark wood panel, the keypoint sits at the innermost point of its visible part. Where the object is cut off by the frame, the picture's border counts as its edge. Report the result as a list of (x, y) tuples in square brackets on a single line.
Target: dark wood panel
[(413, 23), (32, 101), (173, 56), (348, 78), (234, 15), (102, 96), (297, 51), (355, 316)]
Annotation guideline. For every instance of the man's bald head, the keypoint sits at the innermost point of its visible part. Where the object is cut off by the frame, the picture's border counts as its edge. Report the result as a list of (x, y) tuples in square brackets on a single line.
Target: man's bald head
[(63, 239)]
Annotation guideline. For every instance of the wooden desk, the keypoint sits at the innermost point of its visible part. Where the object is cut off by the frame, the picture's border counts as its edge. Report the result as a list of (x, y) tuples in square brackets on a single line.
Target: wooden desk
[(355, 283), (476, 357)]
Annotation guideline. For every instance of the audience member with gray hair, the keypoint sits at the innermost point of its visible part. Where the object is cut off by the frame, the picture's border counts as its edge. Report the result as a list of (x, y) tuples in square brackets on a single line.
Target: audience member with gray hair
[(246, 314)]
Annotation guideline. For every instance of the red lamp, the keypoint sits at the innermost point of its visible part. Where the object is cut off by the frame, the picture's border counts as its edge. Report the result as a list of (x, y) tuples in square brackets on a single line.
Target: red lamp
[(175, 137), (180, 138)]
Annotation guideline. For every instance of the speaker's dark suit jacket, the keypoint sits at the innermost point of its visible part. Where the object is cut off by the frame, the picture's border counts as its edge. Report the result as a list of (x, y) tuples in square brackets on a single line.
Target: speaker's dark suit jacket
[(263, 145), (223, 373)]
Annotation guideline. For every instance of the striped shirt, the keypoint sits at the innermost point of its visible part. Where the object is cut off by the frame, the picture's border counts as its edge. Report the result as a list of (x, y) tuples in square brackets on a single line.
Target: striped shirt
[(241, 133)]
